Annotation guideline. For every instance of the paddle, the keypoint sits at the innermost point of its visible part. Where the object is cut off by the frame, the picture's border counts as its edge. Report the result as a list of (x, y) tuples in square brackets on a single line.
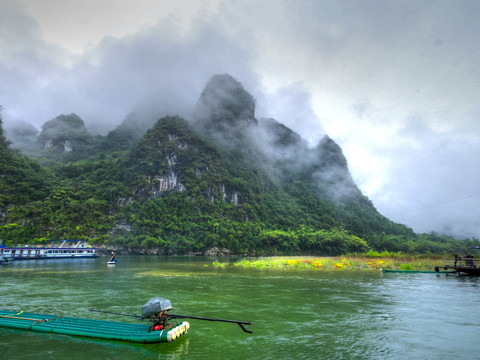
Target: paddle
[(174, 316), (240, 323)]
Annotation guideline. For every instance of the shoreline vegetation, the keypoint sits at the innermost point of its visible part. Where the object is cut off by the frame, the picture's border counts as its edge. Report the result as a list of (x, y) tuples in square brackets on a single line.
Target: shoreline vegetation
[(371, 261)]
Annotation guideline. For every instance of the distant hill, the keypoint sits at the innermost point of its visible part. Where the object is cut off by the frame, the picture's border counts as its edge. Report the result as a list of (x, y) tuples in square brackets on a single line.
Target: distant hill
[(225, 183), (22, 181)]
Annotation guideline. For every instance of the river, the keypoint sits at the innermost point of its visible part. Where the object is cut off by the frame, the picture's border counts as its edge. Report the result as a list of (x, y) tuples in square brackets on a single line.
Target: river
[(296, 314)]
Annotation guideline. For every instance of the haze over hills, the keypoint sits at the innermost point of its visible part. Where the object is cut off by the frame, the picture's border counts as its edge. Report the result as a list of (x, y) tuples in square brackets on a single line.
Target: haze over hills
[(226, 182)]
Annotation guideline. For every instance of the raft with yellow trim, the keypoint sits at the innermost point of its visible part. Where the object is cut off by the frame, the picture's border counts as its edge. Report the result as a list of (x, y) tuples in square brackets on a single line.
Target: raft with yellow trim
[(100, 329)]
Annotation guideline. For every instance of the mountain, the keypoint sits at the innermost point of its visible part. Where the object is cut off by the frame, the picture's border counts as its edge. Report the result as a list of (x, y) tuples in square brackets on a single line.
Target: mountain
[(225, 182), (22, 181), (224, 105), (65, 137)]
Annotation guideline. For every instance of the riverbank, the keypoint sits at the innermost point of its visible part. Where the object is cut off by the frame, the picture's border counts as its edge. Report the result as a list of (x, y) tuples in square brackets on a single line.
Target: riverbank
[(340, 263)]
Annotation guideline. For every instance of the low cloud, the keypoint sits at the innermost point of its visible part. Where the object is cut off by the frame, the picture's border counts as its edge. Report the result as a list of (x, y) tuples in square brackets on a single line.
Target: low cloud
[(155, 71), (395, 84)]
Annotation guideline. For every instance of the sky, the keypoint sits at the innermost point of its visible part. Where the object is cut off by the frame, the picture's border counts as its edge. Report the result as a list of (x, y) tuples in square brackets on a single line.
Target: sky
[(395, 83)]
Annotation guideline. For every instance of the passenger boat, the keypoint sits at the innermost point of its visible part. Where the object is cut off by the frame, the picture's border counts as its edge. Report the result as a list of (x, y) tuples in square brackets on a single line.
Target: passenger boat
[(100, 329), (53, 249), (463, 264)]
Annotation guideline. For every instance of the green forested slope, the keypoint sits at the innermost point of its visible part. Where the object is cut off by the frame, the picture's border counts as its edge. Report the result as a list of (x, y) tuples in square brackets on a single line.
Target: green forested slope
[(193, 187)]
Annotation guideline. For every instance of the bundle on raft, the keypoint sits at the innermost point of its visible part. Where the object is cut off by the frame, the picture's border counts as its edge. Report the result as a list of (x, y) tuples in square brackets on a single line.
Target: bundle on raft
[(100, 329)]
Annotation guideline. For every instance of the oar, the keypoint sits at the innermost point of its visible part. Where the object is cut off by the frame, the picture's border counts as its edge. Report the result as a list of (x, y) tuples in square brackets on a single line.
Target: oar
[(240, 323)]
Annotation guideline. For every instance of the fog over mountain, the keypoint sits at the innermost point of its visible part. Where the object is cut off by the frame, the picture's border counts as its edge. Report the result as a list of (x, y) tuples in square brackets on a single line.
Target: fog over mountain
[(395, 84)]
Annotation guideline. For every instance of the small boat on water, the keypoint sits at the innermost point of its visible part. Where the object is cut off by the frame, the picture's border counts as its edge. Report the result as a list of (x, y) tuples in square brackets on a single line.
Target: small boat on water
[(155, 311), (53, 249), (416, 271), (465, 264), (100, 329), (112, 260)]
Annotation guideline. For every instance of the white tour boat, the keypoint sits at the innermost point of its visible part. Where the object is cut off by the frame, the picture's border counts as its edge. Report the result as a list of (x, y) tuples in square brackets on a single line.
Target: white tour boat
[(54, 249)]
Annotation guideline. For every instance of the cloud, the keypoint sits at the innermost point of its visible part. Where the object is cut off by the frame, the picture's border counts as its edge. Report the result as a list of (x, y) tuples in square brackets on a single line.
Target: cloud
[(394, 83), (292, 105), (27, 63), (157, 70), (434, 179)]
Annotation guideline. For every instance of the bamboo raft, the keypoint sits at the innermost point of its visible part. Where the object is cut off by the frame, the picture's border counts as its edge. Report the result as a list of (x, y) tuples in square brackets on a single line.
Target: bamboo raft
[(100, 329)]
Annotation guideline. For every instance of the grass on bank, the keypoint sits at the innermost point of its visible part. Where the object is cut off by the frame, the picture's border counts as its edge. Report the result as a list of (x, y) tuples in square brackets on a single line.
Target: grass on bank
[(370, 261)]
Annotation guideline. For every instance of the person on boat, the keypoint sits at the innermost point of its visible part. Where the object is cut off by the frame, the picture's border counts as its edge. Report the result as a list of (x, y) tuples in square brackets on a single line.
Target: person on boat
[(159, 321), (163, 318), (457, 257), (468, 259), (113, 257)]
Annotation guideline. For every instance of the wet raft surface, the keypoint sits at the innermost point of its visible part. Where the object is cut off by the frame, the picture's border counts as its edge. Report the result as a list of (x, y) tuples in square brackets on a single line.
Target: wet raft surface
[(99, 329)]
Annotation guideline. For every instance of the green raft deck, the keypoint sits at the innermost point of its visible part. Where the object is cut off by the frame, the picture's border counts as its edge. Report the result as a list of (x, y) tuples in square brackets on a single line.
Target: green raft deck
[(100, 329)]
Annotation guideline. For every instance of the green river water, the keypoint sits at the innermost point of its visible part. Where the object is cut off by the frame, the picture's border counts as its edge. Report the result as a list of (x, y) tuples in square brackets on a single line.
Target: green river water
[(296, 314)]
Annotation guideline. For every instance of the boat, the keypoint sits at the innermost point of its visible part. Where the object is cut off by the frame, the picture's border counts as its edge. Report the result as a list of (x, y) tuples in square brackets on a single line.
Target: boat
[(53, 249), (100, 329), (416, 271), (112, 260), (463, 264), (155, 311)]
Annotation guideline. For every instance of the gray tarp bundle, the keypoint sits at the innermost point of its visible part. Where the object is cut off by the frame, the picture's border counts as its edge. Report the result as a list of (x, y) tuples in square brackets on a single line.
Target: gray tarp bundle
[(155, 305)]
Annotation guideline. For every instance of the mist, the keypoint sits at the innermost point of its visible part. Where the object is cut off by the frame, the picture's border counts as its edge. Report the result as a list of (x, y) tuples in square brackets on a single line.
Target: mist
[(154, 72), (395, 84)]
